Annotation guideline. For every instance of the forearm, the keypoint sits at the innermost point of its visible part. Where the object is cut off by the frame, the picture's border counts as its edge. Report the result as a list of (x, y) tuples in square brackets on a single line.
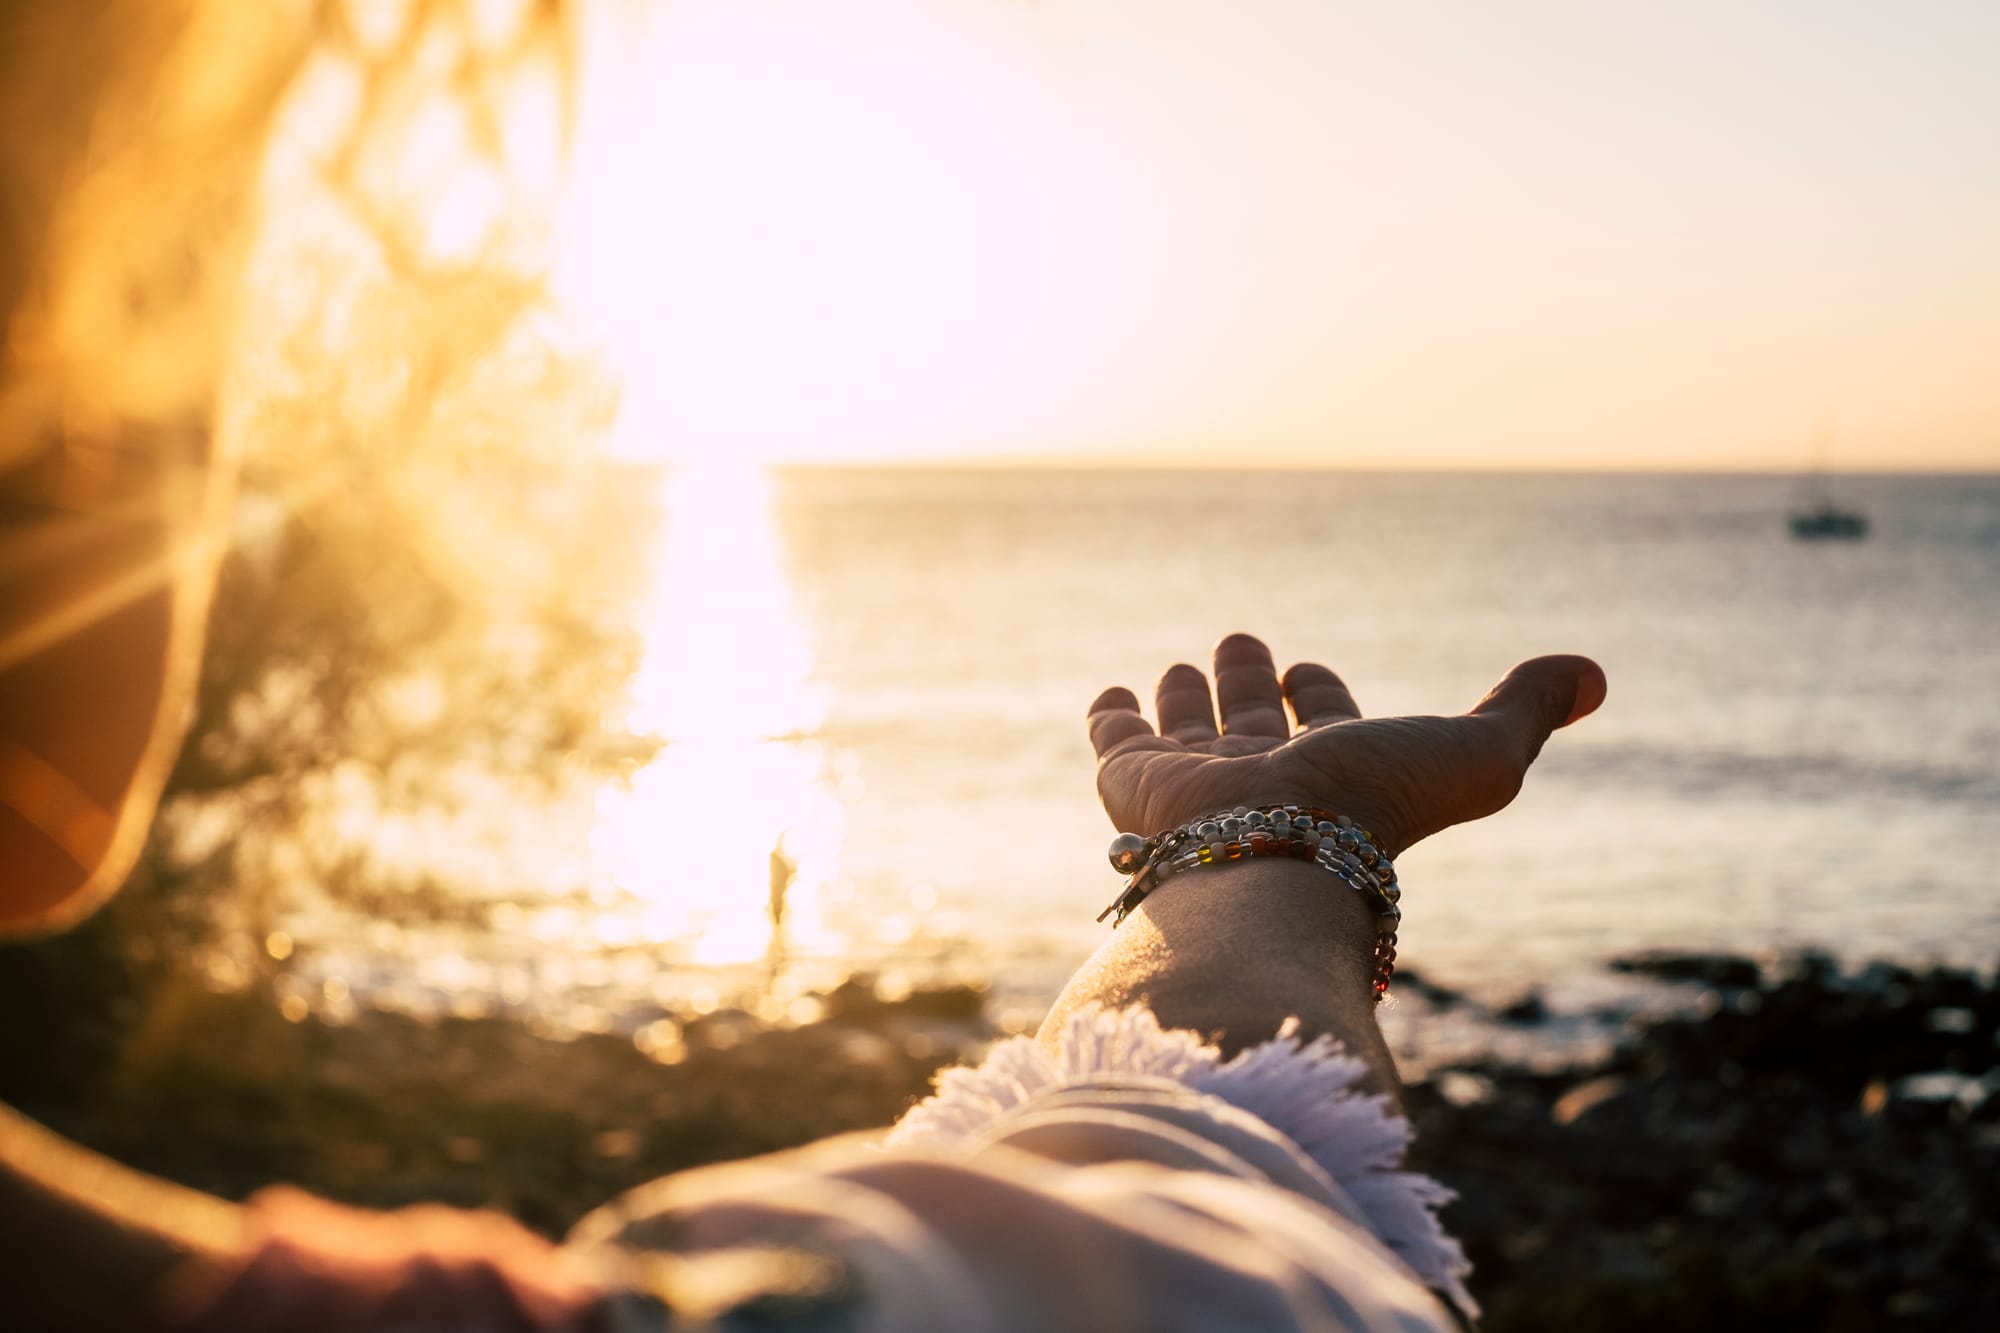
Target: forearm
[(1233, 951), (87, 1243)]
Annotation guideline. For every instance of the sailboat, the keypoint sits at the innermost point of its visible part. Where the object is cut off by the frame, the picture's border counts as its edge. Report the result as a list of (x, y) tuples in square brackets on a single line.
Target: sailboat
[(1819, 518), (1827, 519)]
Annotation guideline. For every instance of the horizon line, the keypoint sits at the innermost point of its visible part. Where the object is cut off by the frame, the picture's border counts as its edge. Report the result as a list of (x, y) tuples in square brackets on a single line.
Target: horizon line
[(1044, 464)]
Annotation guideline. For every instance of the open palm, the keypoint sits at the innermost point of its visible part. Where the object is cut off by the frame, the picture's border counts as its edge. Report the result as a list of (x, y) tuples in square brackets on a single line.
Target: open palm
[(1403, 778)]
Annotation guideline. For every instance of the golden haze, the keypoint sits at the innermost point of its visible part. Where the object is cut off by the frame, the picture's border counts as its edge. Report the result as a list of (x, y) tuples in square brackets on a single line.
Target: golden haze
[(1541, 236)]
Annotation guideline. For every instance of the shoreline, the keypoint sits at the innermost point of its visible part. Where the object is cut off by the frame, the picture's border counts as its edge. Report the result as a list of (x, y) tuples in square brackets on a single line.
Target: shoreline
[(1805, 1148), (1810, 1148)]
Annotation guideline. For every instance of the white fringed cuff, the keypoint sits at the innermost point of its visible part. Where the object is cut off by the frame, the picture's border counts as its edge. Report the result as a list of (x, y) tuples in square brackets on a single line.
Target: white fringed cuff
[(1306, 1091)]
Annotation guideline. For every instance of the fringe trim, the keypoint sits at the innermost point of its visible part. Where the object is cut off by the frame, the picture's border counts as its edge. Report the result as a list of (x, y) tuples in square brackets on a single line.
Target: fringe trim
[(1304, 1090)]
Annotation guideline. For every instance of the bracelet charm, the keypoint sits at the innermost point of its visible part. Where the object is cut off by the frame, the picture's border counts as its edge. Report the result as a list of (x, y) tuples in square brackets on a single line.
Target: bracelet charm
[(1333, 842)]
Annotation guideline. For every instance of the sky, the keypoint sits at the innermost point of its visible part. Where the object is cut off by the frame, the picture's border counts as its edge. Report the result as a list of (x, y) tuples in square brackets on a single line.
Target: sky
[(1423, 234)]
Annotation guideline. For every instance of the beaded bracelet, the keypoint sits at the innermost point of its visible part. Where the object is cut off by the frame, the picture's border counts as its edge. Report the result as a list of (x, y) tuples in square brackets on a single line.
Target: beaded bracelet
[(1333, 842)]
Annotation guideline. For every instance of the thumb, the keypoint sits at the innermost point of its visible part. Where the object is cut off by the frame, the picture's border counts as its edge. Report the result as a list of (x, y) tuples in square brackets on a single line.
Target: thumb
[(1541, 695)]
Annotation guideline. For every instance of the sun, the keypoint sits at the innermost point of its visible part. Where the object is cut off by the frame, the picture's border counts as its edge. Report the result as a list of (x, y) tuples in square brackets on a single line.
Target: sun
[(807, 233)]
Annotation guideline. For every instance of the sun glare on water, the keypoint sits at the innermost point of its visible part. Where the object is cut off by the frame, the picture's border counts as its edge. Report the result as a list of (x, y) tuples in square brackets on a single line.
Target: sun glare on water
[(752, 244), (727, 839), (731, 828)]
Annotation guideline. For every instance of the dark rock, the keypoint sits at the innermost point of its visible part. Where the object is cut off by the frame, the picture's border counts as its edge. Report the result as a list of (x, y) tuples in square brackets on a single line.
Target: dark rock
[(1410, 982), (1823, 1158), (857, 1000), (1727, 971), (1525, 1011)]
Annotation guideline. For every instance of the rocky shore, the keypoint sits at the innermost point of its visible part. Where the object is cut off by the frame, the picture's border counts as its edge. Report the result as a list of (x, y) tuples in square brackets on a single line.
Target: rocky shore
[(1808, 1149), (222, 1092)]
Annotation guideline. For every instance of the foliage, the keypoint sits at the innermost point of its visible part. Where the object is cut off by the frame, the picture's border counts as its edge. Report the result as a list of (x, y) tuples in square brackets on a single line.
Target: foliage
[(413, 625)]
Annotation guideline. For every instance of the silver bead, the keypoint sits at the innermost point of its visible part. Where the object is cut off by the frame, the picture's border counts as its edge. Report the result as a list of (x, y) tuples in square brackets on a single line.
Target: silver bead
[(1349, 839), (1128, 853), (1257, 819), (1393, 892), (1369, 853), (1343, 821), (1208, 831)]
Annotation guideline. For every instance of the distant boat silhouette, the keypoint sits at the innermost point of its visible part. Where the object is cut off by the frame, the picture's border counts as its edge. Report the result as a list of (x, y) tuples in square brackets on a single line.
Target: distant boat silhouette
[(1819, 518), (1828, 520)]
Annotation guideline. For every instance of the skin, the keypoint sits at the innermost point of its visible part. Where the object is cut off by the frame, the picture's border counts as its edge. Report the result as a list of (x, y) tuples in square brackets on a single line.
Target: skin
[(87, 1243), (1234, 950)]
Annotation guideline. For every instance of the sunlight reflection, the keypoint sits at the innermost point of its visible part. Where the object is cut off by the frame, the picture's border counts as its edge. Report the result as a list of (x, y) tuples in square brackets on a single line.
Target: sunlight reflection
[(734, 813)]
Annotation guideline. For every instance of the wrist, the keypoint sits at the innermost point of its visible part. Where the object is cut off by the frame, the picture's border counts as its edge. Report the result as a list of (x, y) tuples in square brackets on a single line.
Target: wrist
[(1234, 953), (1261, 900), (1331, 845)]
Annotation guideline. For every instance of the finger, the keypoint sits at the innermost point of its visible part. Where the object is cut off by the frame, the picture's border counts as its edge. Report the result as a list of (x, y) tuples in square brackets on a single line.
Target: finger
[(1541, 695), (1246, 680), (1318, 696), (1114, 717), (1187, 711)]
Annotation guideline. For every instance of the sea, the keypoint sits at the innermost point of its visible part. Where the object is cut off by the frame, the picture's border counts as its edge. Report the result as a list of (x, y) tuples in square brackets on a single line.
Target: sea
[(873, 685)]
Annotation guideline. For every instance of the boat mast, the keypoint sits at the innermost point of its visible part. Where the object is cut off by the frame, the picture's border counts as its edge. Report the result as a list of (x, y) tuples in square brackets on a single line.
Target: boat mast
[(1817, 494)]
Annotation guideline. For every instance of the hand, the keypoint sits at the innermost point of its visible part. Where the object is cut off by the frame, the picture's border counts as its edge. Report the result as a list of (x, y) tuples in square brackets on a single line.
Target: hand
[(1402, 778)]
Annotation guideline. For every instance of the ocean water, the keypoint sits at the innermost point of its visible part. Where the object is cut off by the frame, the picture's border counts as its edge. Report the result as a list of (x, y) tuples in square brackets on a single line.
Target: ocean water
[(887, 671), (1800, 748)]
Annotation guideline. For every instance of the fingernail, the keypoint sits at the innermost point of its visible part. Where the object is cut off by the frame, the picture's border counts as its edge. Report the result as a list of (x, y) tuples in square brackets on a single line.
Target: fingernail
[(1590, 691)]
